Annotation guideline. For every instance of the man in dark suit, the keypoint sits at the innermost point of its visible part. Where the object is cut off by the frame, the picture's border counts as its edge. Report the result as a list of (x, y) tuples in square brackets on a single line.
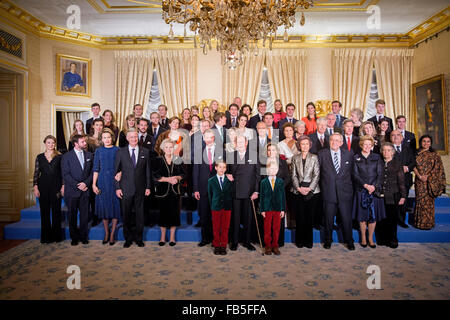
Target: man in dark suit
[(351, 141), (164, 121), (336, 167), (95, 108), (331, 124), (409, 138), (201, 173), (145, 140), (380, 106), (262, 106), (245, 171), (154, 130), (134, 163), (336, 107), (320, 138), (232, 116), (290, 109), (406, 157), (76, 167), (219, 128)]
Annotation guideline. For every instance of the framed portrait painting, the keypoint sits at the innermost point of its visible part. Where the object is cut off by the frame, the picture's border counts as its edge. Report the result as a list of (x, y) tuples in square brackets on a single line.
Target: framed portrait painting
[(431, 111), (73, 76)]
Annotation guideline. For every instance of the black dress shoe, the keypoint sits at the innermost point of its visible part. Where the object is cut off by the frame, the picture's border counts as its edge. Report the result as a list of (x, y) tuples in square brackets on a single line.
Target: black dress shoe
[(112, 243), (171, 243), (309, 246), (250, 247), (161, 243), (140, 244), (223, 251), (373, 246), (298, 245), (203, 243), (233, 247), (327, 245), (351, 247), (393, 245), (216, 250), (74, 242), (104, 241), (85, 242), (127, 244), (403, 225)]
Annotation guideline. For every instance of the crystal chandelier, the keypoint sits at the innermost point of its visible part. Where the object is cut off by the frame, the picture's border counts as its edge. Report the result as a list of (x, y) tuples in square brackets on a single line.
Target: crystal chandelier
[(236, 25)]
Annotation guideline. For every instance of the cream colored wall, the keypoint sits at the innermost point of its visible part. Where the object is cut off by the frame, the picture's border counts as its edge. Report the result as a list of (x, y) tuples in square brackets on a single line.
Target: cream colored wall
[(319, 84), (209, 75), (432, 59)]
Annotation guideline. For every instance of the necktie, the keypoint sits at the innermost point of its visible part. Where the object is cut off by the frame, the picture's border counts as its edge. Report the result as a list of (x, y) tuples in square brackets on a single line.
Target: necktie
[(221, 182), (142, 140), (336, 162), (210, 159), (349, 144), (338, 120), (330, 131), (273, 184), (233, 123), (398, 149), (403, 134), (154, 131), (290, 120), (270, 133), (321, 141), (133, 157), (81, 158)]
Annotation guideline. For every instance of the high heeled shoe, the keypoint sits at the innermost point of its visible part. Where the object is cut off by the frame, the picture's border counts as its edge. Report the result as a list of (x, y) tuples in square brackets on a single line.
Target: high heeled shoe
[(105, 241)]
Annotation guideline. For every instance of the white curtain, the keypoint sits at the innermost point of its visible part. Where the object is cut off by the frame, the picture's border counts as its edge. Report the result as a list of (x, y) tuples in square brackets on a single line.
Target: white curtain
[(352, 77), (394, 77), (287, 77), (133, 71), (245, 80), (177, 78)]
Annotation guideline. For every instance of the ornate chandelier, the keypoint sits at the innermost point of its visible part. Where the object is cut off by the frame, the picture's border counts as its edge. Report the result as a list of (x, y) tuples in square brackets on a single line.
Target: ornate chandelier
[(236, 25)]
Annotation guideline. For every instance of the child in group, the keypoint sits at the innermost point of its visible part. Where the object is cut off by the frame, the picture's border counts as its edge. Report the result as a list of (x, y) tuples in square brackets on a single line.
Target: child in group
[(220, 199), (272, 206)]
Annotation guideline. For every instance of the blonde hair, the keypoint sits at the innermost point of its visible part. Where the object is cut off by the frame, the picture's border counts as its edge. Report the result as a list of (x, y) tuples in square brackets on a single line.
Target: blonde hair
[(366, 138), (363, 133), (164, 142), (74, 129), (55, 151), (107, 130), (125, 126)]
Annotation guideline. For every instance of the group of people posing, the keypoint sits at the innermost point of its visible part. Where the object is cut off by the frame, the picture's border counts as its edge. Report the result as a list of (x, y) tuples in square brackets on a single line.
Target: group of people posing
[(247, 174)]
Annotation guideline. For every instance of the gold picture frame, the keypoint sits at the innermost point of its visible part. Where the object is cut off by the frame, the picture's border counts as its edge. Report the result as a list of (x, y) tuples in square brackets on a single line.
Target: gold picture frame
[(430, 111), (75, 82)]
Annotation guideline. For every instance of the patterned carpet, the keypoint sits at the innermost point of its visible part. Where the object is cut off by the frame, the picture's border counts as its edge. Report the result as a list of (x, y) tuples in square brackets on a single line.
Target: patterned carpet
[(35, 271)]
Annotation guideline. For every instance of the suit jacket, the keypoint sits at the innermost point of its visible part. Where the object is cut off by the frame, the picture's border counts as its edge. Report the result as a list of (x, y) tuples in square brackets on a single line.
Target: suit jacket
[(283, 171), (220, 139), (254, 121), (316, 145), (310, 174), (368, 171), (340, 123), (228, 125), (355, 148), (336, 187), (89, 125), (406, 158), (73, 174), (335, 129), (164, 123), (147, 144), (272, 200), (376, 123), (134, 179), (201, 173), (410, 141), (246, 175), (220, 198), (282, 122)]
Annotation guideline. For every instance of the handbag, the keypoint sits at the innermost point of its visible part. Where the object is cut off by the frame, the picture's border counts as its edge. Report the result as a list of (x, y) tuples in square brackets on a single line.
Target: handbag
[(310, 193)]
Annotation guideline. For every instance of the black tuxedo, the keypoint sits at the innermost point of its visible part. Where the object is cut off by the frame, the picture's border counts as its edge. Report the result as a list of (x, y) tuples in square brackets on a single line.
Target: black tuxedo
[(337, 192), (246, 174), (377, 123), (135, 180), (200, 175), (409, 141), (89, 125), (254, 121), (76, 199), (354, 147), (316, 145)]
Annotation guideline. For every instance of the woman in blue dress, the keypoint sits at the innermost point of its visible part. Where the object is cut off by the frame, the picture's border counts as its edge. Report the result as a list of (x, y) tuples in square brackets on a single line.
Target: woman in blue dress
[(107, 205)]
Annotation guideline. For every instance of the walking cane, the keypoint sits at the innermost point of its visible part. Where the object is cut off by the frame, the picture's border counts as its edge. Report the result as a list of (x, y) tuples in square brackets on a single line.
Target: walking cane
[(257, 227)]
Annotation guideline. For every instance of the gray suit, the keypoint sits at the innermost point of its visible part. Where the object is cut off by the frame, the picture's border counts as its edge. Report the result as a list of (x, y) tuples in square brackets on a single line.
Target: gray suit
[(311, 173)]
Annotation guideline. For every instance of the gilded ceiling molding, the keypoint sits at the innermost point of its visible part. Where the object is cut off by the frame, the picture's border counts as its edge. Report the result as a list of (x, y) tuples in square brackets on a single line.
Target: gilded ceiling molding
[(19, 18)]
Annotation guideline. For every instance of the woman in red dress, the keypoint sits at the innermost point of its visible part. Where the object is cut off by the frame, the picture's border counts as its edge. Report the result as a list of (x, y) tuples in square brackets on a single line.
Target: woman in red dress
[(310, 120)]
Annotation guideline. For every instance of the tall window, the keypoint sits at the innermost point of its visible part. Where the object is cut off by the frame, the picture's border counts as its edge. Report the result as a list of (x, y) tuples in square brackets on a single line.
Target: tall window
[(155, 99), (373, 97), (264, 92)]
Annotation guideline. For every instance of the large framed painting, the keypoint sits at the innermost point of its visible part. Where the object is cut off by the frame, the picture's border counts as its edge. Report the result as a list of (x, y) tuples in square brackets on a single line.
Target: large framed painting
[(73, 76), (431, 111)]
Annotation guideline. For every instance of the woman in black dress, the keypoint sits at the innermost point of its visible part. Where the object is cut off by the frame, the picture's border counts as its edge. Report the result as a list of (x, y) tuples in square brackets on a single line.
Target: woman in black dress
[(167, 175), (48, 187)]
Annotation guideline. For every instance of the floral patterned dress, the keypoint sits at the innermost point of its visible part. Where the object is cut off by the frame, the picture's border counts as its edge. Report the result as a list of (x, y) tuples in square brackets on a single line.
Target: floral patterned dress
[(430, 164)]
